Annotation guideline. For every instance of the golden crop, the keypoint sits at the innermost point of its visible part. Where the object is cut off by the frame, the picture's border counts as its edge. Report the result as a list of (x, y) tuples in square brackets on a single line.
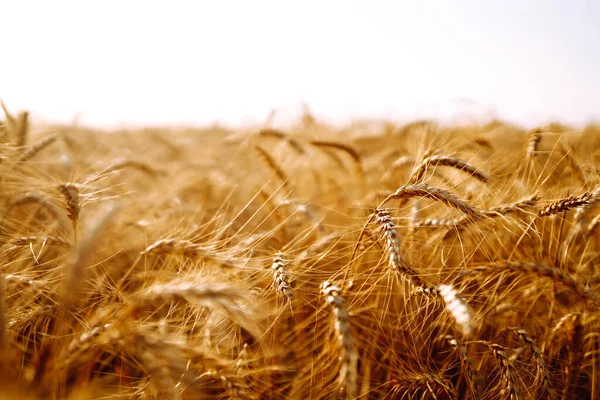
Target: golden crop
[(373, 261)]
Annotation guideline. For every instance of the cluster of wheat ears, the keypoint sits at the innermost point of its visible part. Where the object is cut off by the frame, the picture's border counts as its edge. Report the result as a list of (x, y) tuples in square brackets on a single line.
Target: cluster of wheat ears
[(373, 261)]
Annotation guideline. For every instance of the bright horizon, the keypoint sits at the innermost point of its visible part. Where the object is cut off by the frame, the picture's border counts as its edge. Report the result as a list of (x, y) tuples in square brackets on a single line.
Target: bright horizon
[(147, 63)]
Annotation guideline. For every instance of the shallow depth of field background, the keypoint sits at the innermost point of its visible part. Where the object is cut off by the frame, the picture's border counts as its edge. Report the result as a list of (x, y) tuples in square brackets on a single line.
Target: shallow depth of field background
[(289, 254), (194, 62)]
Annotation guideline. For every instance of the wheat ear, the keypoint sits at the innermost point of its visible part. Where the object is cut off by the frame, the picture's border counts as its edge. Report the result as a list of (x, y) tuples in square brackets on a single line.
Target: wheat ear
[(396, 261), (36, 148), (348, 376), (542, 371), (492, 212), (544, 271), (534, 138), (457, 307), (453, 162), (23, 129), (270, 132), (270, 162), (562, 205), (466, 361), (72, 197), (281, 277), (507, 369)]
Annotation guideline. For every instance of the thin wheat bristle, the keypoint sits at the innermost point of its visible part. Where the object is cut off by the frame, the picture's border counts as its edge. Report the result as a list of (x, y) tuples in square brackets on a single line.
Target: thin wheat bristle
[(348, 371), (453, 162)]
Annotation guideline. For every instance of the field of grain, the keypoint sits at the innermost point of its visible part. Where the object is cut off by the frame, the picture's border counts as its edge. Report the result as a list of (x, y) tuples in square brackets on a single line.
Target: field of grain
[(371, 261)]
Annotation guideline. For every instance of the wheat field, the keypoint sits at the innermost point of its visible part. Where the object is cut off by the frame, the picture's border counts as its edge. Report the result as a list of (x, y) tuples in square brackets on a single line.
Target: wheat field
[(371, 261)]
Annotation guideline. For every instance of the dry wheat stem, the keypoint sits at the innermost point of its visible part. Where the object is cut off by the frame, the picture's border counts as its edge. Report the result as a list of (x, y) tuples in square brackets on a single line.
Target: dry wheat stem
[(575, 347)]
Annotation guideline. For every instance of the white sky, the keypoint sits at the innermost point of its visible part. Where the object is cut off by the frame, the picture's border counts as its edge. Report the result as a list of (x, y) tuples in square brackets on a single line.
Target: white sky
[(151, 62)]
